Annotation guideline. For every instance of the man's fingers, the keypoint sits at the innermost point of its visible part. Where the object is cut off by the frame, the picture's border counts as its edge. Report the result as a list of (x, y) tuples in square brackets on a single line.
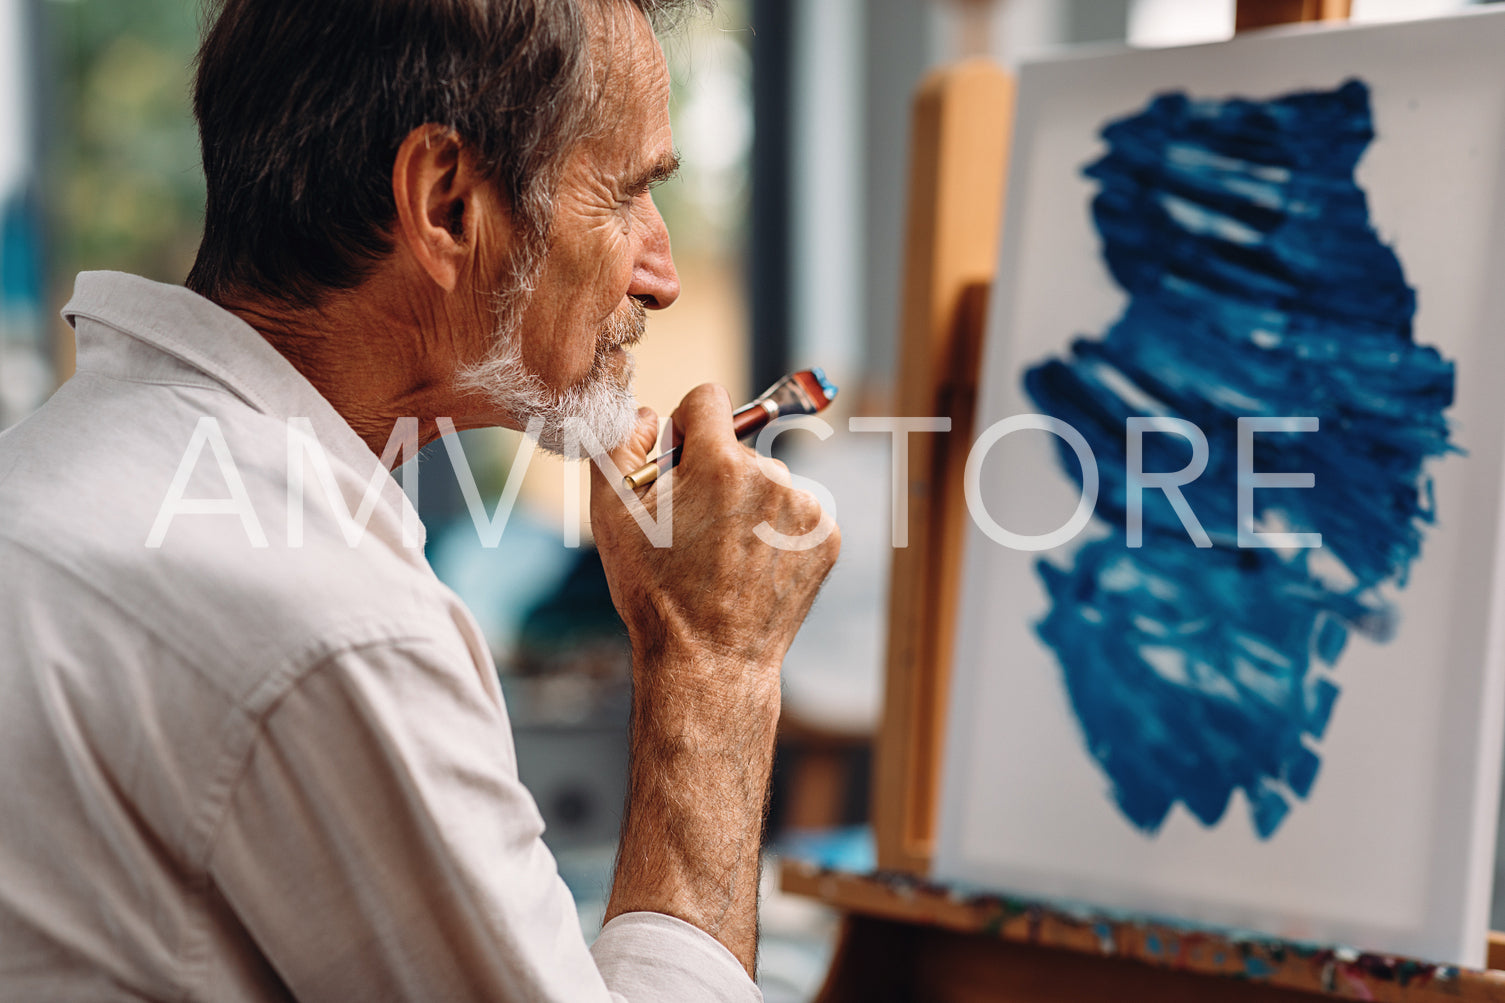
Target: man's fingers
[(704, 420), (637, 447)]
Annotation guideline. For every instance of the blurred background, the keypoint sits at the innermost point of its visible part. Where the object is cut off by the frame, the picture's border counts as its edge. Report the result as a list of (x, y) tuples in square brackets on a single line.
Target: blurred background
[(791, 118)]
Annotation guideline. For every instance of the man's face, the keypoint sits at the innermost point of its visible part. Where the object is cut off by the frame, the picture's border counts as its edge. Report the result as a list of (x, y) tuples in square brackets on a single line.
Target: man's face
[(608, 256)]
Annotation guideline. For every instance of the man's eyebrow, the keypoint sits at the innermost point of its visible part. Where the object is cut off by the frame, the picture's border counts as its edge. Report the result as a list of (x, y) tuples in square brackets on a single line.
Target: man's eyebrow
[(664, 168)]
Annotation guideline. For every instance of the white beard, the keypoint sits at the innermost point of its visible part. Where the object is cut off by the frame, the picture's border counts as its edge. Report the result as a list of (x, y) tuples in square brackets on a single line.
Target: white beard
[(601, 404)]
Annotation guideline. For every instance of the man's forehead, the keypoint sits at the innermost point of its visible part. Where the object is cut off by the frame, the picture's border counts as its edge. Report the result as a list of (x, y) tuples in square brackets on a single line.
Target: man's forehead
[(632, 78), (622, 42)]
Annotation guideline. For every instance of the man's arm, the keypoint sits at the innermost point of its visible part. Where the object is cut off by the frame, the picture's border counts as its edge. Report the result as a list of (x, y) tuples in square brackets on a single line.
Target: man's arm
[(710, 619), (375, 844)]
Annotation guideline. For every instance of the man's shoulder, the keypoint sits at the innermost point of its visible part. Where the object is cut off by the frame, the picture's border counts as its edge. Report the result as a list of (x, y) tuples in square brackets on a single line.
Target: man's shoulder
[(238, 618), (200, 551)]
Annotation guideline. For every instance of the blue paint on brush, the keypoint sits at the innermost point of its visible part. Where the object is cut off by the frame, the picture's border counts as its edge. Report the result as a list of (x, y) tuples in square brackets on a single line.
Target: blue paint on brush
[(1257, 287)]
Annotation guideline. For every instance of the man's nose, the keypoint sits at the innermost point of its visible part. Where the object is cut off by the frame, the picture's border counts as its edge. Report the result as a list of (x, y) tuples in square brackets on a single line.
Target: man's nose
[(655, 283)]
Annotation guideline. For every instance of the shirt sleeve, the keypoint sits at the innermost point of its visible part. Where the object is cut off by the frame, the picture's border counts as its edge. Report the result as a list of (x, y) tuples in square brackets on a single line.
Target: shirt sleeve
[(378, 846), (651, 956)]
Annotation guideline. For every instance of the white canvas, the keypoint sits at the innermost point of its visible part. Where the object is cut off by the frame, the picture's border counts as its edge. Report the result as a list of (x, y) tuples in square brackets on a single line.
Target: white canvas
[(1392, 848)]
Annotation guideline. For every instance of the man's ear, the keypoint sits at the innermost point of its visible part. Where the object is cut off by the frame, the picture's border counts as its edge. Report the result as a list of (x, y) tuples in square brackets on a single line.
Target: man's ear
[(435, 187)]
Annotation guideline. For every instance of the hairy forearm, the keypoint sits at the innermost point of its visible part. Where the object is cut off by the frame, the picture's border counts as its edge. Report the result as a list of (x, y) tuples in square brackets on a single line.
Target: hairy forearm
[(698, 786), (710, 618)]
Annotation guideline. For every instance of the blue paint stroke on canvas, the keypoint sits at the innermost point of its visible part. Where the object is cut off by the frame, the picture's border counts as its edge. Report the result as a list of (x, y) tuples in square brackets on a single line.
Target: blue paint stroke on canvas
[(1257, 287)]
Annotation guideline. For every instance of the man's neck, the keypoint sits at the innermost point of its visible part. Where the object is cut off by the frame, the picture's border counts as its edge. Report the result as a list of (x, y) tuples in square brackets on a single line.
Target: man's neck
[(376, 358)]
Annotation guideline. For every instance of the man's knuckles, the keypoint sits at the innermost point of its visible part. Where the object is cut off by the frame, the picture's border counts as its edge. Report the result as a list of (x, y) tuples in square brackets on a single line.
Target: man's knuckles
[(707, 397), (830, 548), (775, 470), (704, 417)]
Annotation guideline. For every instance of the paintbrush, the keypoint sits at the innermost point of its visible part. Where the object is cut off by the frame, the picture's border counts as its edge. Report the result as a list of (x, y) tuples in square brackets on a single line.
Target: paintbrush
[(804, 392)]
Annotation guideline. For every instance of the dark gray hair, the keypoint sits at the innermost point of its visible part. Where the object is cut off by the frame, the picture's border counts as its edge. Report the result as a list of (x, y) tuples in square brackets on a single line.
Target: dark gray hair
[(302, 106)]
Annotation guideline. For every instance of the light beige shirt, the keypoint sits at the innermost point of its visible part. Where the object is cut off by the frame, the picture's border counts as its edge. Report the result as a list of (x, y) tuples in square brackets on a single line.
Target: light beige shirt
[(241, 772)]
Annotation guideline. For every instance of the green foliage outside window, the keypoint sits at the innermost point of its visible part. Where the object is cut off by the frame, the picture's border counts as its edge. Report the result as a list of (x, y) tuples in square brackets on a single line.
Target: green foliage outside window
[(122, 183)]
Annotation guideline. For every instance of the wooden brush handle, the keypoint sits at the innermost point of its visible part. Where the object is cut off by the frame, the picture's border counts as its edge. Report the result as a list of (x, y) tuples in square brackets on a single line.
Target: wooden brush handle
[(746, 420)]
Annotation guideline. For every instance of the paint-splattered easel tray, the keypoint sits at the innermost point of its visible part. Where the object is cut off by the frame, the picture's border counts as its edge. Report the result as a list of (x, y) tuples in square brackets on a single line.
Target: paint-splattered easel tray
[(1334, 972)]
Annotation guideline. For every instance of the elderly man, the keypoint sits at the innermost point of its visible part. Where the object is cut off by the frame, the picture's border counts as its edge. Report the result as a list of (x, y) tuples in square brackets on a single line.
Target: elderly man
[(252, 756)]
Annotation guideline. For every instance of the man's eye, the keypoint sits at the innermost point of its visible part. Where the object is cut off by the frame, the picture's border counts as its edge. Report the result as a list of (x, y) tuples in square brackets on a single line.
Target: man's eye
[(636, 195)]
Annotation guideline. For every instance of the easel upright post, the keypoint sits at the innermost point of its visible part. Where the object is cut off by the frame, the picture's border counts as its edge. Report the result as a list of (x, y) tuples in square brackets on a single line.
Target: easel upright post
[(962, 121)]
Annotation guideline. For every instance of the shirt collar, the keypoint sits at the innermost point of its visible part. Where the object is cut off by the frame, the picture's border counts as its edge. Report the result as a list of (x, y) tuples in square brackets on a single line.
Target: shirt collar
[(208, 338)]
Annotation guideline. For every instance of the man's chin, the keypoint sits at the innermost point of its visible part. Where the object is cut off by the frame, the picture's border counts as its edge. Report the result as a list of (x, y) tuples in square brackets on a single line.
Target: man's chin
[(622, 364), (600, 404)]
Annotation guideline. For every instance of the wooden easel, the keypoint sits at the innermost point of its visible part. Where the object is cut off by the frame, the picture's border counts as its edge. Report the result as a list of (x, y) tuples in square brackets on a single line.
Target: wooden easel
[(901, 939)]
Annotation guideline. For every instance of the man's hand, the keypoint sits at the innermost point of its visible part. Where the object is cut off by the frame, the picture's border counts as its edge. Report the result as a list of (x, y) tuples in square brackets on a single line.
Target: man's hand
[(710, 618)]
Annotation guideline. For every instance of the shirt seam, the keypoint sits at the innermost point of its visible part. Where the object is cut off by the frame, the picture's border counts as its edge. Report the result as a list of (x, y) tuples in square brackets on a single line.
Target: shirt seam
[(232, 771), (209, 383)]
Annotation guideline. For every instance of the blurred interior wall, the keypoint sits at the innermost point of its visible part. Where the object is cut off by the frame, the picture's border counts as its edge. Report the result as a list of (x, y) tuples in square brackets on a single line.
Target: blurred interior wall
[(827, 122)]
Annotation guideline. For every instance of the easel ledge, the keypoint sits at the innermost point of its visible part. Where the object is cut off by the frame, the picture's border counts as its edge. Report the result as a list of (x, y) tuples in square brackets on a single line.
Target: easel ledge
[(1134, 959)]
